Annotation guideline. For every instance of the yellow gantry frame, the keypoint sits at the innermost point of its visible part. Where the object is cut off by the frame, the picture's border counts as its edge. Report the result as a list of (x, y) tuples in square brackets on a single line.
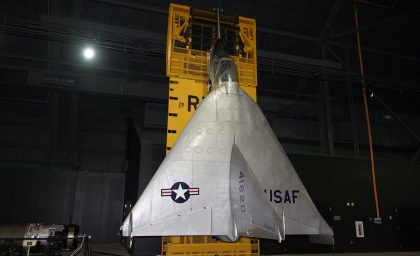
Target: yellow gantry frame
[(187, 72)]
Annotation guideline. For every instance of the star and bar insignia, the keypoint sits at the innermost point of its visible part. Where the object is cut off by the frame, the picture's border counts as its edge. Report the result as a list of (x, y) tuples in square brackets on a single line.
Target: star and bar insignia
[(180, 192)]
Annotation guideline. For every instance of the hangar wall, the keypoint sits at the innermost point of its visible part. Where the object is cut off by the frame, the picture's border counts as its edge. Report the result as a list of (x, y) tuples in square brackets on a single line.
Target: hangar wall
[(42, 196), (63, 159), (336, 181)]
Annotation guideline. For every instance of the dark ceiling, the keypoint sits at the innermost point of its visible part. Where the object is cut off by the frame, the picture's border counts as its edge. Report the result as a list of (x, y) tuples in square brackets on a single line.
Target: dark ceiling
[(50, 34), (301, 44)]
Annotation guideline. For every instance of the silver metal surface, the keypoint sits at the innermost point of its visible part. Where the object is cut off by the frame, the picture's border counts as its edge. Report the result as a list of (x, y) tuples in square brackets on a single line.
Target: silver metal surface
[(227, 175)]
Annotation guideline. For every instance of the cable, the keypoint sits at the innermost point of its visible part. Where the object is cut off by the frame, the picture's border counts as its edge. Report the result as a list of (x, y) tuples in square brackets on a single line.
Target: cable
[(365, 104)]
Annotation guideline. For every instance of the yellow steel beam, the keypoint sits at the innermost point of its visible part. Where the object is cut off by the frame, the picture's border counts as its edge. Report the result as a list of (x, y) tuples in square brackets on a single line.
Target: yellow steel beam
[(187, 72)]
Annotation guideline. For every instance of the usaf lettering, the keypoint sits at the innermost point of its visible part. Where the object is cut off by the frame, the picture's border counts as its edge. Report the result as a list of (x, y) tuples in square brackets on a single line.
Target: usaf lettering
[(277, 196)]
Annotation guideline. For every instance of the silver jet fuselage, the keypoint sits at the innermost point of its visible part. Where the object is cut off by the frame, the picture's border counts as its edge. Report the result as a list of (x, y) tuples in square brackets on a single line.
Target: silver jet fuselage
[(221, 68)]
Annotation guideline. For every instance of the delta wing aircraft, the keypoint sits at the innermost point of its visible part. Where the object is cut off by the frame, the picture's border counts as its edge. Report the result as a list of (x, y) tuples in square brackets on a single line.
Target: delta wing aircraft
[(227, 175)]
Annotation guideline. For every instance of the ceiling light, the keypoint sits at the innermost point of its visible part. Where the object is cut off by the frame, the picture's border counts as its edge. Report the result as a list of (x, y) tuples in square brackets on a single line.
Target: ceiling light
[(89, 53)]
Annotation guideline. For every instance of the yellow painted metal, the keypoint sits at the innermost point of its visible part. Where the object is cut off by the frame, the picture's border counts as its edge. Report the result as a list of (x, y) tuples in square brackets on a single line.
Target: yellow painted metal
[(247, 65), (184, 97), (178, 19), (252, 91), (187, 72), (192, 64), (184, 62), (206, 245)]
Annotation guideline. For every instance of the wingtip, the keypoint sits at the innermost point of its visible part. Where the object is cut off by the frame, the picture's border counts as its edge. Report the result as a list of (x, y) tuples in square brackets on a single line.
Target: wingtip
[(325, 236)]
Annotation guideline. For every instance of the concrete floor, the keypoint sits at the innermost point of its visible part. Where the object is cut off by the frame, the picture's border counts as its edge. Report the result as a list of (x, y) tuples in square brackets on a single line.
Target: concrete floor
[(116, 249), (360, 254), (107, 249)]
